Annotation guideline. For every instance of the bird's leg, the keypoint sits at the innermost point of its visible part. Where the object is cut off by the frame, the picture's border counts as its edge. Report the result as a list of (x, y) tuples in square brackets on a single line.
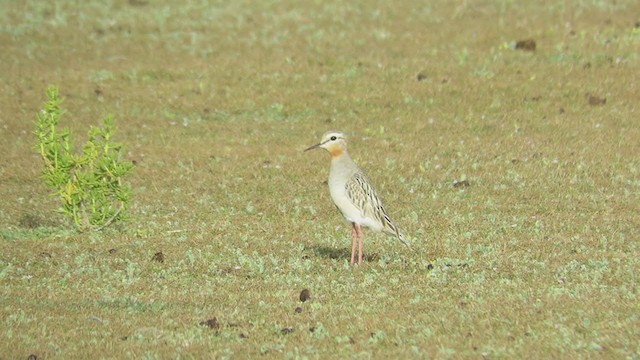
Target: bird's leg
[(354, 239), (360, 243)]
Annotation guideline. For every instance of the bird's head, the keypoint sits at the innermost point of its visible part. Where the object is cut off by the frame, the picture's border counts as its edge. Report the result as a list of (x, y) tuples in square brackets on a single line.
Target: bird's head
[(335, 142)]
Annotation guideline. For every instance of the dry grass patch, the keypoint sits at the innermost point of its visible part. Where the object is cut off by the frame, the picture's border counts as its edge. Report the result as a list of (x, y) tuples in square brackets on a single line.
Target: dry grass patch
[(534, 256)]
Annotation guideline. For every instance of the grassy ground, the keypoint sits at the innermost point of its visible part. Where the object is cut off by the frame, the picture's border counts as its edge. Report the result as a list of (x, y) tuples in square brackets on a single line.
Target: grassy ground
[(536, 257)]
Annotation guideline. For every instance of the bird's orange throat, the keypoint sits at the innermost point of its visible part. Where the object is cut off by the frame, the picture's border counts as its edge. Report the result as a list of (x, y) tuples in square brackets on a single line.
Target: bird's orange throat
[(335, 152)]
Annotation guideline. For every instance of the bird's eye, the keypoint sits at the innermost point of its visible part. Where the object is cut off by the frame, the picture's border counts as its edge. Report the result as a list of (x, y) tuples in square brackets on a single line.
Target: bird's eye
[(333, 138)]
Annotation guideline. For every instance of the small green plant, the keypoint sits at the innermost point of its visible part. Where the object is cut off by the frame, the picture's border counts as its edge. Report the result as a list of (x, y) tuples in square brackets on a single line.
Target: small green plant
[(89, 184)]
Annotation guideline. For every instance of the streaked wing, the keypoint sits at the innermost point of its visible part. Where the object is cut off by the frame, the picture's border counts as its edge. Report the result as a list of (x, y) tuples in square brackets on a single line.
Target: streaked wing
[(364, 197)]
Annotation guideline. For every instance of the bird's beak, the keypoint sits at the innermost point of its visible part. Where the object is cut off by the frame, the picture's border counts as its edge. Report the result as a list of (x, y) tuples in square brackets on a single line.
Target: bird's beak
[(313, 147)]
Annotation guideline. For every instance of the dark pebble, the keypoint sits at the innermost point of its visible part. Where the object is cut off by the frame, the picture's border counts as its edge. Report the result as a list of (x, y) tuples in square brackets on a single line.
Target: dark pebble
[(526, 45), (159, 257), (305, 295), (211, 323)]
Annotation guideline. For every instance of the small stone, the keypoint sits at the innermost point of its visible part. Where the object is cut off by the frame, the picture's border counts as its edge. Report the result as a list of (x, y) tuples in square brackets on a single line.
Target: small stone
[(595, 100), (461, 183), (159, 257), (211, 323), (305, 295), (526, 45)]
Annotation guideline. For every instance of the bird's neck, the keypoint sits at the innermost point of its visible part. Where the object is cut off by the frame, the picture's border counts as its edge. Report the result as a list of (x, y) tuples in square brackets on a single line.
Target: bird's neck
[(341, 158), (342, 168)]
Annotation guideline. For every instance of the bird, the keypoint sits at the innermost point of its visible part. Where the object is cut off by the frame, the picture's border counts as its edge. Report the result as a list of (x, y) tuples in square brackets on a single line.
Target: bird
[(354, 195)]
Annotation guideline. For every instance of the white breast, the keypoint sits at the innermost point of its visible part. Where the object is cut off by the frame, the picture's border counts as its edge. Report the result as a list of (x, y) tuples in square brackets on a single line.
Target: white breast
[(342, 169)]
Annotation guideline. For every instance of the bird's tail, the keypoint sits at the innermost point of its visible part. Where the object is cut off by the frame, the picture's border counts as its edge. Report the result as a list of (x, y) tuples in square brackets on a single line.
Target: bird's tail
[(402, 239)]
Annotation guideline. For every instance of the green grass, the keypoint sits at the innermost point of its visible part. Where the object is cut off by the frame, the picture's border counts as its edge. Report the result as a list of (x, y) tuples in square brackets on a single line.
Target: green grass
[(536, 258)]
